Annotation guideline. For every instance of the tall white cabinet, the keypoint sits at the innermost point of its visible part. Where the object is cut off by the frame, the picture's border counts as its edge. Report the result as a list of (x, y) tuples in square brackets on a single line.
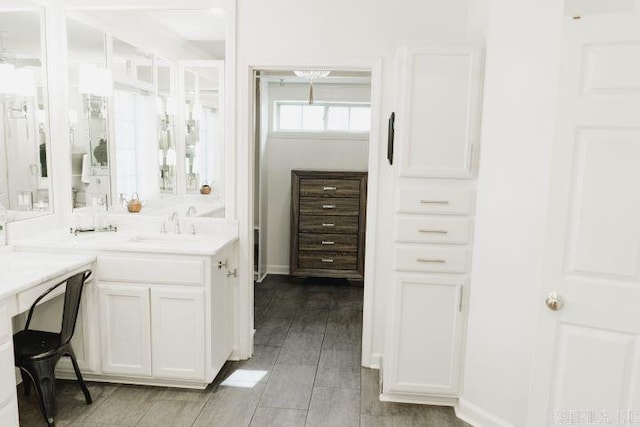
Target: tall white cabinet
[(437, 133)]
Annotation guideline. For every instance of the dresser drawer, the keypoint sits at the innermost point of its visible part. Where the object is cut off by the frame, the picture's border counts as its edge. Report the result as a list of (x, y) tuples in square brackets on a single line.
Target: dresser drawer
[(329, 206), (310, 187), (433, 230), (432, 259), (328, 242), (328, 224), (439, 202), (328, 260)]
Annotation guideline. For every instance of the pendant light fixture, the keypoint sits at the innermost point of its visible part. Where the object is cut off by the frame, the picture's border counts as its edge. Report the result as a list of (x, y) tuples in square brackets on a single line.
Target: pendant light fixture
[(312, 75)]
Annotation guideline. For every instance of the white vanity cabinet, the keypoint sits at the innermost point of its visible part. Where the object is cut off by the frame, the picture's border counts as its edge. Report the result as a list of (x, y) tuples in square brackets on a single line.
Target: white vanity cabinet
[(166, 318), (436, 128)]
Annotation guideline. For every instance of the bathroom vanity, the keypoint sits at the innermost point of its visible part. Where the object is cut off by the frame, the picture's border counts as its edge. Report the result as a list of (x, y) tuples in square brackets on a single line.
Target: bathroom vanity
[(160, 307)]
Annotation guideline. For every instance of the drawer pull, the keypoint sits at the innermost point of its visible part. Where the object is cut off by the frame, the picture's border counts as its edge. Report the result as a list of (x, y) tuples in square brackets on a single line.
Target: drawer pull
[(328, 206), (434, 202), (422, 230), (433, 261), (329, 188), (324, 242), (328, 224), (327, 260)]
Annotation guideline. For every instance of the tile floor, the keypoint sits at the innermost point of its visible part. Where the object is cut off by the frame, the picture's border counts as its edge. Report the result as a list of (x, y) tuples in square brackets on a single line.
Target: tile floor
[(305, 372)]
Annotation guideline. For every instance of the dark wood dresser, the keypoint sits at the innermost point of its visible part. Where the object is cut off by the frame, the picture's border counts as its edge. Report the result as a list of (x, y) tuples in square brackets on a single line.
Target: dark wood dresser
[(328, 224)]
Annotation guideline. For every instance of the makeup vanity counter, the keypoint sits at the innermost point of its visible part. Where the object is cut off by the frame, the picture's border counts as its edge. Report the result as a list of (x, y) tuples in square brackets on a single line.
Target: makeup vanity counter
[(23, 277)]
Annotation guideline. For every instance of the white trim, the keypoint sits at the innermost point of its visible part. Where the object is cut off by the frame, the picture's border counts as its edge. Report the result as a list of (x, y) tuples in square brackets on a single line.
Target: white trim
[(328, 135), (419, 399), (477, 416), (245, 169), (375, 361), (277, 269)]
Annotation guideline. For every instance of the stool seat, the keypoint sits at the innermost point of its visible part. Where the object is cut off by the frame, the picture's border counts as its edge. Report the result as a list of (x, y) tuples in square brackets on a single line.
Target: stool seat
[(30, 343)]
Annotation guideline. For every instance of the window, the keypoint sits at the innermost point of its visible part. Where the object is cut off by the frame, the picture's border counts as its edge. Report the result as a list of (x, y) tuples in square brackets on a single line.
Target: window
[(322, 117)]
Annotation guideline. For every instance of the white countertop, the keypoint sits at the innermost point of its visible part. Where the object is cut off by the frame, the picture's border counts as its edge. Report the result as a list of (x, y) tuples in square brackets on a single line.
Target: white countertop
[(131, 241), (22, 270)]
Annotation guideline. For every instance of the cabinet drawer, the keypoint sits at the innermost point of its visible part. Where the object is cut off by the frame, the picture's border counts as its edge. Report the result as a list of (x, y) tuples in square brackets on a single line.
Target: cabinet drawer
[(329, 187), (328, 242), (433, 230), (6, 332), (145, 270), (328, 224), (7, 373), (432, 259), (329, 206), (439, 202), (328, 260)]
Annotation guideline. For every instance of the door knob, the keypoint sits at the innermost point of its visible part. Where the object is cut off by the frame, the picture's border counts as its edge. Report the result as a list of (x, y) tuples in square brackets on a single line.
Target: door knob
[(554, 301)]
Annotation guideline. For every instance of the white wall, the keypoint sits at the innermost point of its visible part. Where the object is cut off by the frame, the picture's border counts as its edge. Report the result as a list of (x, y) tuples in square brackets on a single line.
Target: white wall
[(353, 29), (285, 153), (517, 133)]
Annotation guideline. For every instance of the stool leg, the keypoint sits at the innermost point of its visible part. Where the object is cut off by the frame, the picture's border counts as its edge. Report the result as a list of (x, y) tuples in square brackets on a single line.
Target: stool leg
[(45, 385), (26, 382), (83, 386)]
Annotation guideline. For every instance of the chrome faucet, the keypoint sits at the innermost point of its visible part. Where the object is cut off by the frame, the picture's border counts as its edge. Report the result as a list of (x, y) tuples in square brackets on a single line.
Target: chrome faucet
[(175, 219), (191, 211)]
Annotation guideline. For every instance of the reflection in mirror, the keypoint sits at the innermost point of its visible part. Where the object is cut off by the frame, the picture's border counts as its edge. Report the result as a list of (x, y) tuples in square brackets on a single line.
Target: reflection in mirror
[(131, 65), (204, 136), (166, 109), (90, 86), (24, 149)]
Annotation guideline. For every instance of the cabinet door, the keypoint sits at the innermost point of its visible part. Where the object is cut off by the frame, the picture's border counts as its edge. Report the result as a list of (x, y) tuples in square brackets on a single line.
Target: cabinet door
[(126, 334), (438, 119), (423, 350), (177, 325)]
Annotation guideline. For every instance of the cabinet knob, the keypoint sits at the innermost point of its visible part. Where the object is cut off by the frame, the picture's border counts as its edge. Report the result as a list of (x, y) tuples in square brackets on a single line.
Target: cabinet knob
[(554, 301), (223, 264), (324, 242), (329, 188), (328, 206)]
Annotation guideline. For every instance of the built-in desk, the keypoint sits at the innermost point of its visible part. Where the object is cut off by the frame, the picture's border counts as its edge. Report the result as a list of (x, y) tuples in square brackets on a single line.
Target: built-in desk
[(23, 277)]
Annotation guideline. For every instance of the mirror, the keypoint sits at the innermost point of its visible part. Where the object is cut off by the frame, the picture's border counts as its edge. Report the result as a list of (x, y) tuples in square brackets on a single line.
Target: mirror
[(203, 130), (25, 162), (159, 126), (166, 109), (90, 88)]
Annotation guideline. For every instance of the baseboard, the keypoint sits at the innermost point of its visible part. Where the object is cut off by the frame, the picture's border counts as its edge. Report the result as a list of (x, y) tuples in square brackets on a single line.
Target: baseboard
[(477, 416), (259, 278), (418, 399), (277, 269), (375, 361)]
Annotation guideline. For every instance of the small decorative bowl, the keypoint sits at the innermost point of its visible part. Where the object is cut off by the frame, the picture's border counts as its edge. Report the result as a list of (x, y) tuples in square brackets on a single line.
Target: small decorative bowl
[(205, 189)]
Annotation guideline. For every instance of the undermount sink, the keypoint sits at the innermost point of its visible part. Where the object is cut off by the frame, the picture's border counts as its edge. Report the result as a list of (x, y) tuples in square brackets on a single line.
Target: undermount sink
[(151, 238)]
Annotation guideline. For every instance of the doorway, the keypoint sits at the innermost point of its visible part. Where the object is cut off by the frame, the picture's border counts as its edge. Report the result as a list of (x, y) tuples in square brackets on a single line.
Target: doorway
[(257, 119)]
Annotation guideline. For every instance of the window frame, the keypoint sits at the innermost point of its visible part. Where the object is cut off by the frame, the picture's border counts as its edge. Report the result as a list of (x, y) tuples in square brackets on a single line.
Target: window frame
[(274, 129)]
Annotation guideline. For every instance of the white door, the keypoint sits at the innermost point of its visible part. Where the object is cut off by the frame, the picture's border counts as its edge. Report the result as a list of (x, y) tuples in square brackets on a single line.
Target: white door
[(177, 325), (588, 351), (425, 330), (125, 330), (439, 115)]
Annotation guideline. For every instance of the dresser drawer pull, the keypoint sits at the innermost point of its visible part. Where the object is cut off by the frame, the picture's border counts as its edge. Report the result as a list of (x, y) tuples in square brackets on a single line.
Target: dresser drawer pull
[(434, 202), (329, 188), (328, 224), (328, 206), (327, 260), (324, 242), (422, 230), (433, 261)]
